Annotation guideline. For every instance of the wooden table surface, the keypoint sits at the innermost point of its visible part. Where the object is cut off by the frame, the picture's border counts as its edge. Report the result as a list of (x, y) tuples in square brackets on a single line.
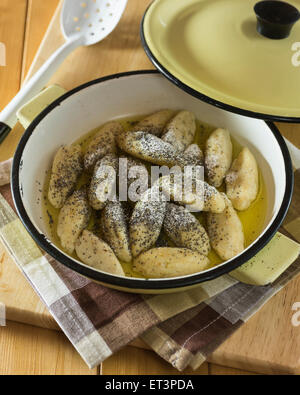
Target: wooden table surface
[(25, 349)]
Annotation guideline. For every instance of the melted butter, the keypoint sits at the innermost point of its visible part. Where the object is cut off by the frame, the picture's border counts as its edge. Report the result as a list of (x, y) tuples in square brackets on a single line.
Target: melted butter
[(253, 219)]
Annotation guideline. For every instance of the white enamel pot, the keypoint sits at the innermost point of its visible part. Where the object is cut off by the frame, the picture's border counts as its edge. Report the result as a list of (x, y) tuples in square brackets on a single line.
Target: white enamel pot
[(129, 94)]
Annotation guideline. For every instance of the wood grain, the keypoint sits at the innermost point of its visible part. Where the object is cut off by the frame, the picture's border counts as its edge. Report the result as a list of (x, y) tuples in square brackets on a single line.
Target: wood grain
[(268, 342), (217, 370), (50, 39), (39, 15), (30, 351), (134, 361), (35, 15), (22, 302), (120, 51), (291, 131), (12, 33)]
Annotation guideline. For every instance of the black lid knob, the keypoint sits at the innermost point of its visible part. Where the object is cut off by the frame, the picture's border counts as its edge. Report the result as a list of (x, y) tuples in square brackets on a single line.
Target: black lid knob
[(275, 19)]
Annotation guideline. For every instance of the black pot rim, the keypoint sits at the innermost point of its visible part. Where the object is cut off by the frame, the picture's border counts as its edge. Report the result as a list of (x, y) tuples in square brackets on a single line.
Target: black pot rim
[(202, 96), (133, 283)]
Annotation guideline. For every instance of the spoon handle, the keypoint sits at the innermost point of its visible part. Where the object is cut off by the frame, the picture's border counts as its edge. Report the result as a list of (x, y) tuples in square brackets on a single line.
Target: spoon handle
[(8, 117)]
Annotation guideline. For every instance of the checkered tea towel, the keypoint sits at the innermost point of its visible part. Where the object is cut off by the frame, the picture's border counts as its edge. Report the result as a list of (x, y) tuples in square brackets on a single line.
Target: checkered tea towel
[(182, 328)]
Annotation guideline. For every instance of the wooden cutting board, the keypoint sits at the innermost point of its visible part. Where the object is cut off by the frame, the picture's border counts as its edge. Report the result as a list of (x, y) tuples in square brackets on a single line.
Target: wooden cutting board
[(268, 342)]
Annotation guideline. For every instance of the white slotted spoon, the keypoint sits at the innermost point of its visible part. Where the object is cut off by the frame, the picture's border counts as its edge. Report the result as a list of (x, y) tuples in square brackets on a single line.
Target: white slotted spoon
[(83, 22)]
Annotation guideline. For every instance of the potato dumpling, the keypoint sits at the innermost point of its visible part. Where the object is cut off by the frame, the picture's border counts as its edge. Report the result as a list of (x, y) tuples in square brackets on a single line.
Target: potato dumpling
[(145, 212), (154, 123), (102, 143), (218, 156), (152, 149), (103, 181), (162, 241), (225, 231), (94, 252), (72, 219), (170, 262), (146, 221), (208, 198), (180, 131), (115, 230), (131, 169), (200, 196), (148, 147), (185, 230), (173, 189), (194, 154), (242, 180), (66, 169)]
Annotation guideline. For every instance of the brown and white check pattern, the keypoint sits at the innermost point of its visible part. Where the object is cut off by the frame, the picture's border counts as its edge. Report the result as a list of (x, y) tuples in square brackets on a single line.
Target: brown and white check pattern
[(182, 328)]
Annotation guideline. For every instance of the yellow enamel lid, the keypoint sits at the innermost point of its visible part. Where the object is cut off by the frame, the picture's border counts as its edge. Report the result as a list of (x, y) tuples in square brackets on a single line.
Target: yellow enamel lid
[(211, 49)]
